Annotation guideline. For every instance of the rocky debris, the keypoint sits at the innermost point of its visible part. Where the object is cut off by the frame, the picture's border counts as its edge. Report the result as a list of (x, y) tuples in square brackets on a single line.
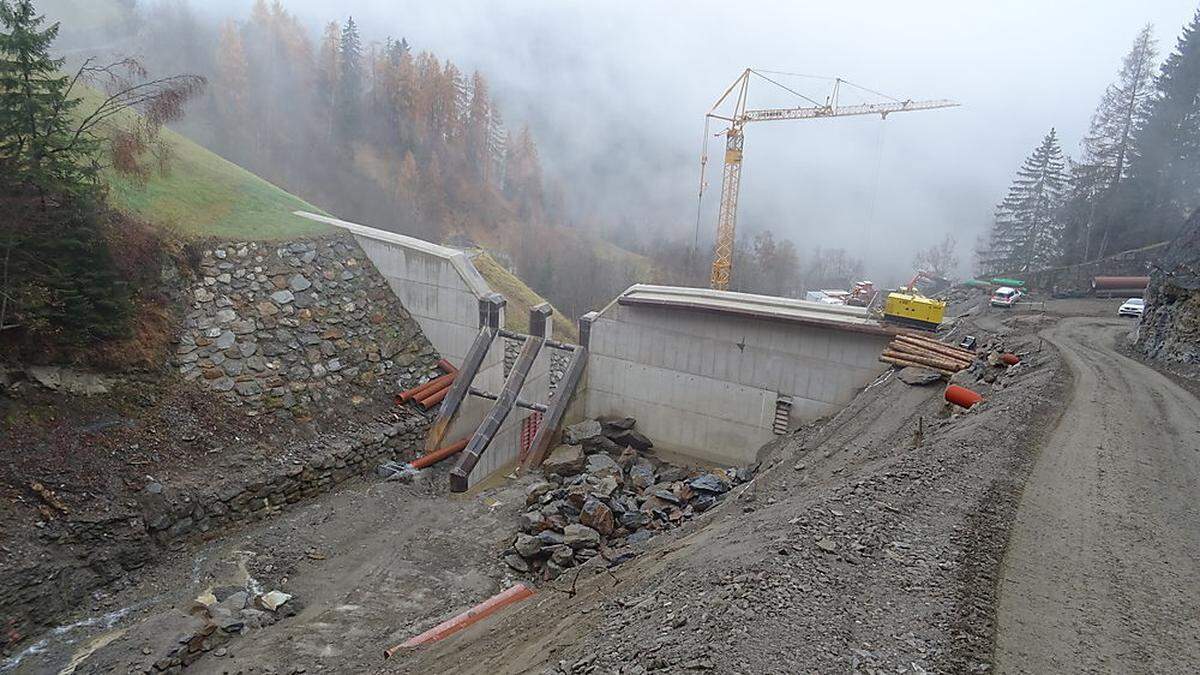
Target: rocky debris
[(1170, 326), (214, 622), (592, 504), (582, 432), (292, 326), (564, 460), (918, 376)]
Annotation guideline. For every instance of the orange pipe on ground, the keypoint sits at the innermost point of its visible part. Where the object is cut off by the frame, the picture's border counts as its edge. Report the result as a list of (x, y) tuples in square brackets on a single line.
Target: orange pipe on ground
[(434, 399), (422, 390), (961, 396), (477, 613), (429, 459), (447, 366), (1010, 359), (443, 384)]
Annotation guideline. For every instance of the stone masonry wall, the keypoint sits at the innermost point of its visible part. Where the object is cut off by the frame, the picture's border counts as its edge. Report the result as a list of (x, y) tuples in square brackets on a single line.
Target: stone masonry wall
[(558, 362), (292, 326), (171, 514)]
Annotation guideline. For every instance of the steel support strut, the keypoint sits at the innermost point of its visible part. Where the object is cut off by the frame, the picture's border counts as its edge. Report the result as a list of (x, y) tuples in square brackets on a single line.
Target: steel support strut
[(539, 317)]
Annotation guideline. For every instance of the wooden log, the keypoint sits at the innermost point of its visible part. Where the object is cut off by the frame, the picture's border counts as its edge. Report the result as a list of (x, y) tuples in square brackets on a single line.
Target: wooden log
[(933, 363), (935, 344), (908, 348), (953, 352), (903, 363)]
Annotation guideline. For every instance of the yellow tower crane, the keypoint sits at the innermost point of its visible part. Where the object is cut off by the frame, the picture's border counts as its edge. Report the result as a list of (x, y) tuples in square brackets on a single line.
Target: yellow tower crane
[(741, 115)]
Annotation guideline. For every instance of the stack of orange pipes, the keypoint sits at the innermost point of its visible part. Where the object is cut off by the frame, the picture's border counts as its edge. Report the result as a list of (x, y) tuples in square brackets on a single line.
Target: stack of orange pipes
[(432, 392)]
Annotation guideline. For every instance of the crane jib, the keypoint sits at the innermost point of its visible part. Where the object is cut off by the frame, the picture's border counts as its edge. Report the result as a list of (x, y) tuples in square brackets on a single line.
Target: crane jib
[(731, 174)]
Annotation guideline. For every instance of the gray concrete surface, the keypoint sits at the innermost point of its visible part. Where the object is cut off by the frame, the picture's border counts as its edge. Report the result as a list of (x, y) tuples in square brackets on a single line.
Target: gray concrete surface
[(703, 381)]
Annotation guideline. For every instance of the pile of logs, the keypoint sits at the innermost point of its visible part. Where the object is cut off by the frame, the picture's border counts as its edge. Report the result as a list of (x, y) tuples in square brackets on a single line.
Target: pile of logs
[(432, 392), (922, 351)]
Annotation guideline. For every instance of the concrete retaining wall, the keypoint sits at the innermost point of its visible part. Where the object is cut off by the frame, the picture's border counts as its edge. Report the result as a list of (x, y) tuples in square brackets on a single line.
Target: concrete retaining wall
[(442, 290), (705, 384)]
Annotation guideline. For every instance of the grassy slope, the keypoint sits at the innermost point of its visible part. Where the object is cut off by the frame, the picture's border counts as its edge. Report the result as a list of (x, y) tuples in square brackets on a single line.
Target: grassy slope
[(204, 195), (520, 298)]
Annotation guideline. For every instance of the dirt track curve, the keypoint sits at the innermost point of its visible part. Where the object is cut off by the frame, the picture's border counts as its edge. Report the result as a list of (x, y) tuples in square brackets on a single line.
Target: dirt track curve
[(1102, 571)]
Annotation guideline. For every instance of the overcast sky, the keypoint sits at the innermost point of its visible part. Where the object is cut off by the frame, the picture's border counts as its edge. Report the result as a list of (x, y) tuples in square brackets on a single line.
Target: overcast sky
[(617, 91)]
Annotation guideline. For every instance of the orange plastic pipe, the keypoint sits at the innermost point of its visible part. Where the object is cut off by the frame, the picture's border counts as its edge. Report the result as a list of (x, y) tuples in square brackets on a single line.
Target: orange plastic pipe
[(434, 399), (443, 384), (431, 458), (421, 390), (477, 613), (961, 396), (447, 366)]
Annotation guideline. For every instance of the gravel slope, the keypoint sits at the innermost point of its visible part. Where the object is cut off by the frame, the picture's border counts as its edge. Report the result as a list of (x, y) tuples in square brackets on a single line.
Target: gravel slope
[(850, 551), (1103, 571)]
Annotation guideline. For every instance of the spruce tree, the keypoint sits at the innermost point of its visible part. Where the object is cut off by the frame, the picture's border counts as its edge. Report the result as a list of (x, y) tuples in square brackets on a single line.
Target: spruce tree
[(1164, 183), (40, 148), (350, 80), (1027, 232)]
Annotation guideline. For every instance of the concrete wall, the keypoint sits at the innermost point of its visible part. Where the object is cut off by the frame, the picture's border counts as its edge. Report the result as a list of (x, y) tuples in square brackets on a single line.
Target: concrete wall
[(705, 384), (441, 289)]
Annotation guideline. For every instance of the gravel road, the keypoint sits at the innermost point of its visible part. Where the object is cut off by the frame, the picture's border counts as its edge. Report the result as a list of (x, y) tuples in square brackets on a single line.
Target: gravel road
[(1102, 571)]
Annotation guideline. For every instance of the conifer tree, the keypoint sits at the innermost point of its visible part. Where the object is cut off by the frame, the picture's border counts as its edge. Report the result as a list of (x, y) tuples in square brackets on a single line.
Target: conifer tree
[(1027, 231), (350, 80), (1165, 174), (40, 147), (1107, 151)]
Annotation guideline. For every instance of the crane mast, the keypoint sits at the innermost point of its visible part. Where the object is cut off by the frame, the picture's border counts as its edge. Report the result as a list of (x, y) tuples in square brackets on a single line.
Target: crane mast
[(731, 174)]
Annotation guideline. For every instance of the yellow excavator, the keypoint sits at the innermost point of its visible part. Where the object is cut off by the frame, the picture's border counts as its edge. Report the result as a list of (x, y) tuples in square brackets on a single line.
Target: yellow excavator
[(908, 307)]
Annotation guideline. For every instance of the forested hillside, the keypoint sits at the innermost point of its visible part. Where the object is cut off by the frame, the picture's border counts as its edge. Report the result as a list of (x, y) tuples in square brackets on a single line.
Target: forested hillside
[(381, 133), (1136, 179)]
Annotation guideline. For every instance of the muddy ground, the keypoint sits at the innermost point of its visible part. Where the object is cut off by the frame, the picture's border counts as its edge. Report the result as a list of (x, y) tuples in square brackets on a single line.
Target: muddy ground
[(367, 564), (852, 550)]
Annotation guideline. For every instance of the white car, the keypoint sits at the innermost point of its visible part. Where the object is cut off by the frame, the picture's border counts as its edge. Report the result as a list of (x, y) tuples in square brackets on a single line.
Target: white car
[(1132, 307), (1005, 296)]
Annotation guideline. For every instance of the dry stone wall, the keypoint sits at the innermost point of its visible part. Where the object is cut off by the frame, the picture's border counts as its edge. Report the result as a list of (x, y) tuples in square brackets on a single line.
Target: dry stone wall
[(293, 326), (172, 514)]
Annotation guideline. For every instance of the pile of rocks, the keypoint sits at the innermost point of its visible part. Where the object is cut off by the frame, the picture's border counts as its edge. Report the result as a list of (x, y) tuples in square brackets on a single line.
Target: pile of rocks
[(604, 490)]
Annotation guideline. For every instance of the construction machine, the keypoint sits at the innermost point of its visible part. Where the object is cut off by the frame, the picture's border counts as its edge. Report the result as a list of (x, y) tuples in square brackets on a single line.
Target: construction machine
[(741, 115), (907, 306)]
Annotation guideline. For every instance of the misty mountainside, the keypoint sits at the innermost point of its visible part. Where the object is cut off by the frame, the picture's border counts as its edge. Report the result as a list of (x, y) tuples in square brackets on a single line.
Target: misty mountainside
[(376, 133)]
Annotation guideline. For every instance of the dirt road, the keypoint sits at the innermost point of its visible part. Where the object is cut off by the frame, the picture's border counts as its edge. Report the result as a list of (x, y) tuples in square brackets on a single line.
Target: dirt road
[(1102, 571)]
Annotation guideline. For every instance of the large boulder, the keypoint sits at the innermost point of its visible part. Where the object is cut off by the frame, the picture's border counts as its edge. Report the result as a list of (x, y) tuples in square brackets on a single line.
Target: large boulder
[(596, 515), (579, 536), (602, 466), (582, 432), (565, 460), (615, 425), (640, 477), (710, 483), (528, 546), (633, 439), (918, 376)]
